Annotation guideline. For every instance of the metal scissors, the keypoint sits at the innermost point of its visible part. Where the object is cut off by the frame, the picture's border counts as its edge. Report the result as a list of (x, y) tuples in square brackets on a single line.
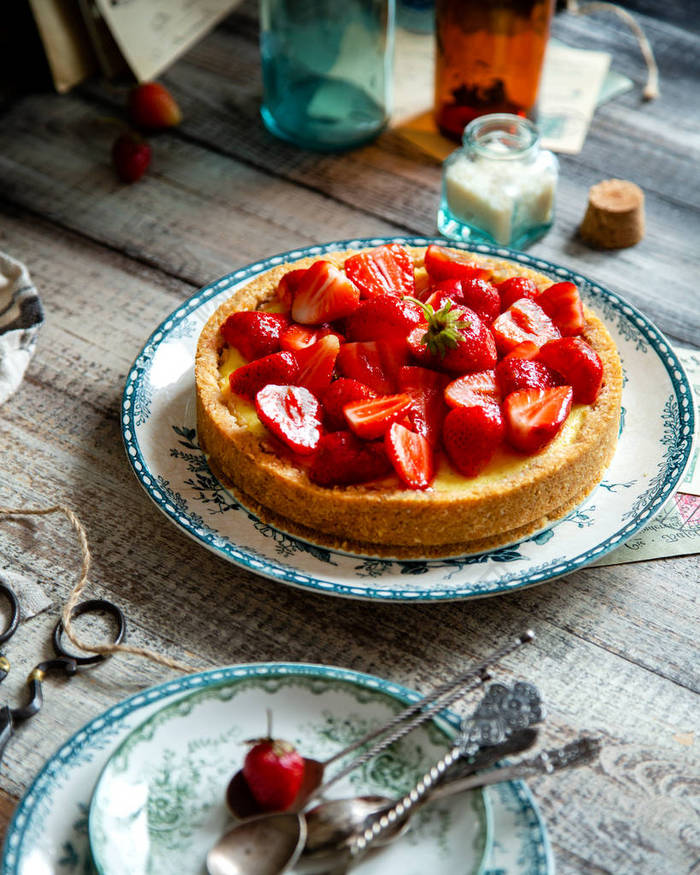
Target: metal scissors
[(64, 661)]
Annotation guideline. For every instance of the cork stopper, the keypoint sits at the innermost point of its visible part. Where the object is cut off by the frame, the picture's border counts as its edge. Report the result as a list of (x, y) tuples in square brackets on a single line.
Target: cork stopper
[(615, 215)]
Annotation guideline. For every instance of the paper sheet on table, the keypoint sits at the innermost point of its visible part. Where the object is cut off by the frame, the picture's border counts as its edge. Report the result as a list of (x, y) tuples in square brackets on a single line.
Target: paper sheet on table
[(151, 34), (574, 82)]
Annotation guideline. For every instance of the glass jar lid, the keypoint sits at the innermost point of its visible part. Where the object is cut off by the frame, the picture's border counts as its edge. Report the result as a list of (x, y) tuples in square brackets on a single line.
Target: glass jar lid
[(501, 136)]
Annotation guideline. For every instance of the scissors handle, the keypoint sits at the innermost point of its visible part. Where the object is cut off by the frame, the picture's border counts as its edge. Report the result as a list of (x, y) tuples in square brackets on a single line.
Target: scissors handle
[(14, 612), (93, 606)]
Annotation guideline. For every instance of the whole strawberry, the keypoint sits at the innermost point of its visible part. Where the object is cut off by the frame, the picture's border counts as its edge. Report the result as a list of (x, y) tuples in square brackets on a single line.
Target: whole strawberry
[(131, 156), (274, 771), (152, 107), (454, 339)]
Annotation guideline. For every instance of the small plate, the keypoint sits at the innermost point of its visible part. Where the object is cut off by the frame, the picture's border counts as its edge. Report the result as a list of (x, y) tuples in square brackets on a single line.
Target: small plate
[(159, 804), (159, 431), (49, 830)]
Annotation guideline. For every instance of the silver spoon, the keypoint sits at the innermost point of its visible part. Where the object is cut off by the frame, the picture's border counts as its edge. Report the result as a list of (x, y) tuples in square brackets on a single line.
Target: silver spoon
[(501, 712)]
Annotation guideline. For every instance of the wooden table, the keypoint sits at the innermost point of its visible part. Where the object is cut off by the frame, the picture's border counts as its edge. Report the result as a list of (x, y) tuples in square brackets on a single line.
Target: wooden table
[(617, 647)]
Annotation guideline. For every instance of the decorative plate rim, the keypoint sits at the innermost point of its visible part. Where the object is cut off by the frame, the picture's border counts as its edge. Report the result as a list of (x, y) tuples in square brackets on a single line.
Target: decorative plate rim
[(239, 555), (215, 676)]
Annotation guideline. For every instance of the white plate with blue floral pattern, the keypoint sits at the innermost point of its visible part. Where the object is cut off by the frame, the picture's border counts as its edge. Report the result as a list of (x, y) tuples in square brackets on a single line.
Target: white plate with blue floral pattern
[(49, 831), (159, 431)]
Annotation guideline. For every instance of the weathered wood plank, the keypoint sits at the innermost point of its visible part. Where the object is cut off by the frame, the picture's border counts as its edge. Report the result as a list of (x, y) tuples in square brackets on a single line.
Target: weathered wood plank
[(615, 646)]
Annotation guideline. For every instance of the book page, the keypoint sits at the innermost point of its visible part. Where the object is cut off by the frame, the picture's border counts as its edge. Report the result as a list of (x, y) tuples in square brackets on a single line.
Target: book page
[(151, 34)]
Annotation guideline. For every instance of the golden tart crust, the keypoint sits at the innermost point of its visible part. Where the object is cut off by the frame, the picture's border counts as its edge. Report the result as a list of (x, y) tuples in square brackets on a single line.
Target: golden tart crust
[(381, 518)]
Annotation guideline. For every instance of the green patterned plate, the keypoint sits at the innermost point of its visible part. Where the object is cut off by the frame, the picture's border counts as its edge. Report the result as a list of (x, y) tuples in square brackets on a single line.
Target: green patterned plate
[(159, 803)]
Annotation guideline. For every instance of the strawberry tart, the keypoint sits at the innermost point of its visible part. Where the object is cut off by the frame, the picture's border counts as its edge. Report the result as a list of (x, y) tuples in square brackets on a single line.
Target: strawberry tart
[(407, 402)]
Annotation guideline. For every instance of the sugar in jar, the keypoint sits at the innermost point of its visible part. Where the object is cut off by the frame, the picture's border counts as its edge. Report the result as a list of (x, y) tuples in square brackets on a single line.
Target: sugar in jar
[(500, 186)]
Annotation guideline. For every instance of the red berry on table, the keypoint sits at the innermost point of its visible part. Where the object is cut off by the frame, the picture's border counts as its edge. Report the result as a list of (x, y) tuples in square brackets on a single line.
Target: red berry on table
[(274, 771), (254, 333), (152, 107), (131, 156), (562, 303), (513, 374), (323, 293), (578, 364), (292, 414), (370, 419), (343, 459), (341, 392), (411, 455), (280, 368), (448, 264), (533, 417), (316, 363), (387, 270), (471, 389), (515, 288), (471, 436)]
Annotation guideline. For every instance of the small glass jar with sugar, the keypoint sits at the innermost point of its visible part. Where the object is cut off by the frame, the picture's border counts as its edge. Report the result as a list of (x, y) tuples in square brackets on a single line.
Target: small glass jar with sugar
[(499, 187)]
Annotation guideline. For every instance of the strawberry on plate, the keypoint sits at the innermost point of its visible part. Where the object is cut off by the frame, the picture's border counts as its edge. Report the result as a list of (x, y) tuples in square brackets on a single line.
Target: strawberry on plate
[(316, 363), (482, 297), (254, 333), (448, 264), (288, 285), (523, 320), (518, 373), (273, 770), (454, 339), (525, 350), (323, 294), (427, 410), (341, 392), (411, 455), (296, 337), (562, 303), (471, 389), (343, 459), (579, 365), (291, 413), (382, 318), (372, 363), (533, 417), (248, 380), (515, 288), (387, 270), (370, 419), (471, 436)]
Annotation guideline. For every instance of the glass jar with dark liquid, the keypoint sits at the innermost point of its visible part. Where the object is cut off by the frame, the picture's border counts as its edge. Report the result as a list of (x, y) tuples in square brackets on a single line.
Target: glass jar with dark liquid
[(489, 59)]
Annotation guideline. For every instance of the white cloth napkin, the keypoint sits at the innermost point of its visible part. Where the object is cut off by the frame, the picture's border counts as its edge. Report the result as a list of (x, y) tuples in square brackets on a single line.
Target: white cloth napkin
[(21, 317)]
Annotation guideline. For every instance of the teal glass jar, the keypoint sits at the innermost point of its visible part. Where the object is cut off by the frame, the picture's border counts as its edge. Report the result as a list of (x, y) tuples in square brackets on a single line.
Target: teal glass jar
[(326, 68), (500, 186)]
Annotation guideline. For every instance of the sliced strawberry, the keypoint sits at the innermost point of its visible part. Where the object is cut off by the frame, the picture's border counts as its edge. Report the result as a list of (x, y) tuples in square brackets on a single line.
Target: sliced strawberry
[(482, 297), (292, 414), (248, 380), (288, 285), (534, 416), (454, 340), (471, 436), (427, 410), (448, 264), (515, 373), (515, 288), (523, 320), (525, 350), (341, 392), (323, 294), (562, 303), (472, 389), (579, 365), (387, 270), (382, 318), (316, 363), (447, 290), (411, 455), (343, 459), (254, 333), (296, 337), (371, 363), (370, 419)]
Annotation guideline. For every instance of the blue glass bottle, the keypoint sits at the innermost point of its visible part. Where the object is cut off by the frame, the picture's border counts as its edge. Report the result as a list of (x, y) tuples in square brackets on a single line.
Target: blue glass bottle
[(326, 69)]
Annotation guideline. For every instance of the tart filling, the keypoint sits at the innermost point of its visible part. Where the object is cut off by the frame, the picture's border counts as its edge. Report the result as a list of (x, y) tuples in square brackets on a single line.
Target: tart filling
[(522, 382)]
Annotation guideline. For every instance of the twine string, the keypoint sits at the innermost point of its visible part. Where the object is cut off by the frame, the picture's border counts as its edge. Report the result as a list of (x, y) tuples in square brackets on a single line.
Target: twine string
[(108, 648)]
